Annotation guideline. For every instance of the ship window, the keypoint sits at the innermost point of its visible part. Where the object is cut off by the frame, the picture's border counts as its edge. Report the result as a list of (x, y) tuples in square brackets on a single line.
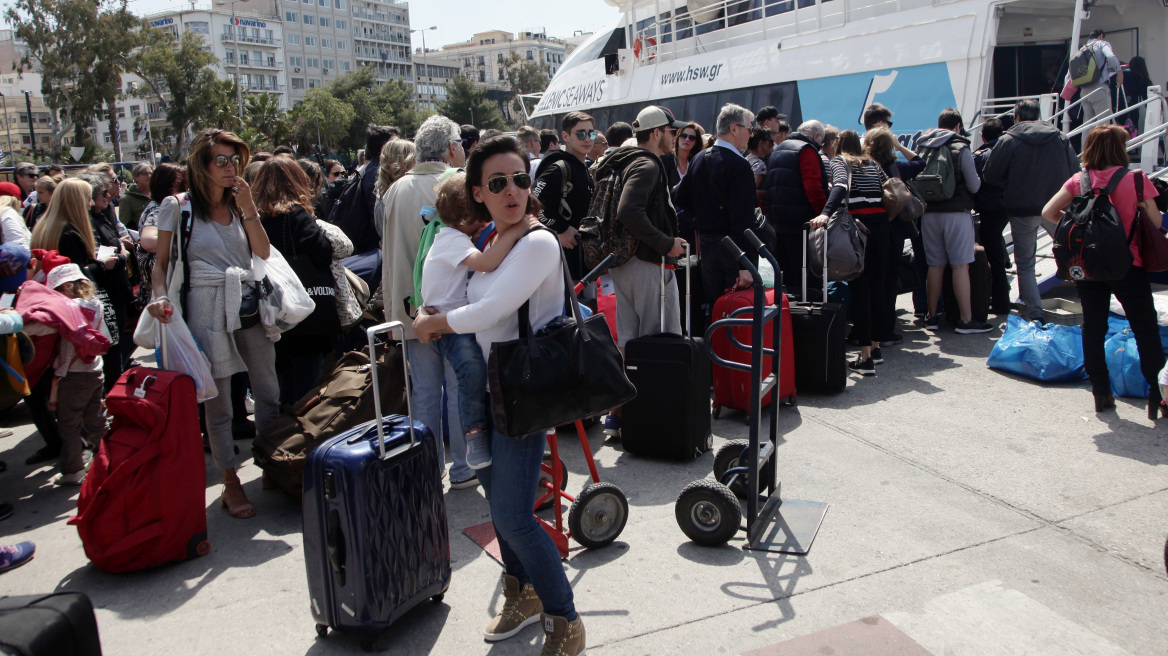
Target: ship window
[(702, 108), (741, 97)]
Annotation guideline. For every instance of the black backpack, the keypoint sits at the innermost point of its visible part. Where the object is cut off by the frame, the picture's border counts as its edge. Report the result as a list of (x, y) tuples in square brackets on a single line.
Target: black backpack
[(349, 214), (1090, 242)]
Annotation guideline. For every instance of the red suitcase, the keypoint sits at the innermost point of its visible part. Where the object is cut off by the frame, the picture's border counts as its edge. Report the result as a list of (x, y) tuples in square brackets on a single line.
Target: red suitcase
[(143, 502), (732, 387)]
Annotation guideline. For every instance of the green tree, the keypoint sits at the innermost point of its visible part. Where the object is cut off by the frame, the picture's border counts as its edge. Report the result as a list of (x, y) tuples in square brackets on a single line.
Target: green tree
[(322, 119), (466, 103), (180, 78), (523, 77), (263, 114), (82, 47), (389, 103)]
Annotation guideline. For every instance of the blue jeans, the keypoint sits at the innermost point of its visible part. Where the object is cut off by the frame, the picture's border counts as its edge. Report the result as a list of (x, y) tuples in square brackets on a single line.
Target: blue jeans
[(462, 352), (428, 372), (529, 554)]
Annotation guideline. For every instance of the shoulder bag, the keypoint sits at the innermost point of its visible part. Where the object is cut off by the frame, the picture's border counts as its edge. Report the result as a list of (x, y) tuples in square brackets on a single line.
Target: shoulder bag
[(570, 369), (1153, 244)]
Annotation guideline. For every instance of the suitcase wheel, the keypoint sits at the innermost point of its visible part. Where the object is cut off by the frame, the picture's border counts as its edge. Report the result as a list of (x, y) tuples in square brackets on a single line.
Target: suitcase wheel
[(717, 411), (598, 515), (708, 513), (322, 630), (204, 548), (438, 597)]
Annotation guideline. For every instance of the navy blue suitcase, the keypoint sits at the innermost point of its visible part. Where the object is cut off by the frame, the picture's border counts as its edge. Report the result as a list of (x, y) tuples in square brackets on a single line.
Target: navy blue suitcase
[(376, 542)]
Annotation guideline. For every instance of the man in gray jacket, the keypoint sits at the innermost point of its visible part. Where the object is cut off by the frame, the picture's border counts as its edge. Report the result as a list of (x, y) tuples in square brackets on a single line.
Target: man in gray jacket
[(1031, 161)]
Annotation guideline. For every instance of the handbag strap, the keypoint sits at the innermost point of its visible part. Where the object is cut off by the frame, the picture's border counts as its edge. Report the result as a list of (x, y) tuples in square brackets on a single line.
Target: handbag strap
[(526, 331)]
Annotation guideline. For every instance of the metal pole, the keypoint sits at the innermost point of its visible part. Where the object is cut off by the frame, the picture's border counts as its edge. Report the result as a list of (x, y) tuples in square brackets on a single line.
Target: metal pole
[(8, 128), (1076, 33), (235, 42), (150, 136), (425, 59), (31, 131)]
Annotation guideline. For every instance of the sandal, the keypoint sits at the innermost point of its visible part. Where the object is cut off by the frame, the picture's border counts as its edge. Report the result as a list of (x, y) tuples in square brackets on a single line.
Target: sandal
[(242, 511)]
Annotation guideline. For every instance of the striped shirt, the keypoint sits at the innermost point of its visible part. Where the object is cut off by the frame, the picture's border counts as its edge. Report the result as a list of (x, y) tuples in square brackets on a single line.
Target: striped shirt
[(866, 195)]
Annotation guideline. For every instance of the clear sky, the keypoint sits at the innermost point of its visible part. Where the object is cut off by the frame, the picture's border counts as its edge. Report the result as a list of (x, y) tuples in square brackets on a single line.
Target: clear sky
[(458, 20)]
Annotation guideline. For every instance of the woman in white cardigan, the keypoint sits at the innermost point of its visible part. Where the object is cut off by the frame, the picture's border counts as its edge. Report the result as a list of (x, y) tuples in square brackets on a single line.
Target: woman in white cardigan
[(534, 583), (226, 232)]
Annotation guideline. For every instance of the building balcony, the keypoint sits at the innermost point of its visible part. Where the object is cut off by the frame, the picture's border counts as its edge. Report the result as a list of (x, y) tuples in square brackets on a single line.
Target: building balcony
[(264, 88), (246, 38), (378, 16), (264, 64)]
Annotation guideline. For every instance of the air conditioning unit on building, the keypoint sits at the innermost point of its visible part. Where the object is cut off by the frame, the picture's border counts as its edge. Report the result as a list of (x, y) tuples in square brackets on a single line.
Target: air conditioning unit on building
[(296, 70)]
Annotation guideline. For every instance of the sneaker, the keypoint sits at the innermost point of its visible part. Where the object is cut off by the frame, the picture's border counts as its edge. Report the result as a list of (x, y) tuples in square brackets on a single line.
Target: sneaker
[(612, 426), (74, 478), (933, 322), (972, 326), (860, 366), (16, 555), (464, 483), (894, 340), (877, 356), (561, 637), (478, 449), (521, 607)]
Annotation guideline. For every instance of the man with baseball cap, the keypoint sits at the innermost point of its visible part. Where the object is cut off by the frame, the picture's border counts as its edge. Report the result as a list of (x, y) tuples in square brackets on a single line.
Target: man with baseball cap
[(646, 211)]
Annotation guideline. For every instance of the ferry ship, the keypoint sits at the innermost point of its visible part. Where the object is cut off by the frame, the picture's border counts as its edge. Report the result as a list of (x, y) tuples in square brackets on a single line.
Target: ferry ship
[(829, 59)]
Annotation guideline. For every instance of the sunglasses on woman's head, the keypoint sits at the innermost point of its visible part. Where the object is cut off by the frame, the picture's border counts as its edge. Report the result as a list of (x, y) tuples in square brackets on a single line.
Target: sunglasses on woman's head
[(223, 160), (497, 184)]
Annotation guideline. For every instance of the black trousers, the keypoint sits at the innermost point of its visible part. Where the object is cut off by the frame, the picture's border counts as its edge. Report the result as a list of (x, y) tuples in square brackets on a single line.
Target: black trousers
[(44, 419), (990, 237), (789, 252), (1134, 293), (869, 302), (719, 270)]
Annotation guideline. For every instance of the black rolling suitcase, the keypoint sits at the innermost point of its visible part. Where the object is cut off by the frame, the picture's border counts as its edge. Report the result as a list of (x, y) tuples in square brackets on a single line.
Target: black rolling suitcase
[(59, 624), (818, 329), (670, 417), (376, 541), (979, 289)]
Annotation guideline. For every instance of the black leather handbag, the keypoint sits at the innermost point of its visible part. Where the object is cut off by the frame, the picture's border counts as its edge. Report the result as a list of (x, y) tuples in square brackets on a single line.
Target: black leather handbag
[(568, 370)]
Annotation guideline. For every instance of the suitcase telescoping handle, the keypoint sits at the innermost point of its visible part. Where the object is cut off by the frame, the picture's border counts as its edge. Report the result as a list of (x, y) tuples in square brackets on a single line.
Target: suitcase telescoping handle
[(806, 238), (688, 266), (370, 333)]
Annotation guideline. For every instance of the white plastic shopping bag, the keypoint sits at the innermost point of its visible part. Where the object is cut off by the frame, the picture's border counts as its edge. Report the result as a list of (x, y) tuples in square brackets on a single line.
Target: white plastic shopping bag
[(177, 351), (283, 300)]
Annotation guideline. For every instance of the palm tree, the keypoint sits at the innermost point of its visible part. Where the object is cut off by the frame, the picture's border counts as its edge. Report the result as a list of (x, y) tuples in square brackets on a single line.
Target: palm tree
[(263, 114)]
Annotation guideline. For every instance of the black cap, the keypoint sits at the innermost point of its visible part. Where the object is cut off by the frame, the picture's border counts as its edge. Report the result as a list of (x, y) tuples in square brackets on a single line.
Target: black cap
[(767, 113)]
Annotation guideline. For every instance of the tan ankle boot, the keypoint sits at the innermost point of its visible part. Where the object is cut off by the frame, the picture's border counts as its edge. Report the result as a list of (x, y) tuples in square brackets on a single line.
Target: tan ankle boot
[(521, 607), (562, 638)]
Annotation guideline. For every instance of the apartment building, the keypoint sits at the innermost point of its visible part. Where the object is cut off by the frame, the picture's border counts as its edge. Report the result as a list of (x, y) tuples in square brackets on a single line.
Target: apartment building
[(326, 38)]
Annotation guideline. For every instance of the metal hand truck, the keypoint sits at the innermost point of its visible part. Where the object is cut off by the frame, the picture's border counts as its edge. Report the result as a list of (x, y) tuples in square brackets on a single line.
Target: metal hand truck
[(708, 511)]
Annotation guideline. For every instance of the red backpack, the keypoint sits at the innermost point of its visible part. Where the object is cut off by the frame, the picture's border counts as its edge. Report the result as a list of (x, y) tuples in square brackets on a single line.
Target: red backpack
[(143, 502)]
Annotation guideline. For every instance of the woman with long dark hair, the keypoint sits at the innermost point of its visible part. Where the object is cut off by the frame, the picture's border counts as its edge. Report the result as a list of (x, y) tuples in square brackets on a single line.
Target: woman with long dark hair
[(534, 583), (220, 301), (283, 194), (166, 180), (864, 200), (1105, 156)]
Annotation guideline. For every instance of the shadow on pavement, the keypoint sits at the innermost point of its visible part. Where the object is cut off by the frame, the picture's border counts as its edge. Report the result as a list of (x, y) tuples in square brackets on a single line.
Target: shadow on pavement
[(419, 628), (1128, 439)]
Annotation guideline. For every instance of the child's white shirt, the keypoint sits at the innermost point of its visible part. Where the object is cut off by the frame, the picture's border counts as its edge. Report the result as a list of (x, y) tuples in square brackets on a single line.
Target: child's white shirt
[(443, 273)]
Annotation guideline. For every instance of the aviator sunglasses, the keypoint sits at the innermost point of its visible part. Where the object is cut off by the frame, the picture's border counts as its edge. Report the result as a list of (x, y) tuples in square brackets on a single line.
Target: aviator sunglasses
[(223, 160), (497, 184)]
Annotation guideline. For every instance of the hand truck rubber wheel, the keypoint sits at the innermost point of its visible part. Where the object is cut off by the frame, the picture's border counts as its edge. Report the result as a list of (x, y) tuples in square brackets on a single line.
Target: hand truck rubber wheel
[(727, 458), (598, 515), (708, 513)]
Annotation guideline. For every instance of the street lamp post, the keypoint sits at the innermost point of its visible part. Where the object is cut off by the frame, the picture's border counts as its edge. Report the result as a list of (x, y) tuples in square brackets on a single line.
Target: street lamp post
[(7, 128), (235, 42), (425, 61)]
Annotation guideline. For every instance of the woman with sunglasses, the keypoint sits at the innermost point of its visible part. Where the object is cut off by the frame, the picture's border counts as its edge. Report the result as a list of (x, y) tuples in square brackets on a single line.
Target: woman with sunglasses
[(220, 303), (533, 580), (686, 147)]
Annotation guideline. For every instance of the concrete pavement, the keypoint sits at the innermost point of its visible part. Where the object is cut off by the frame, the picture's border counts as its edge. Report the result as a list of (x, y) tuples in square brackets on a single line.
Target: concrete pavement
[(971, 511)]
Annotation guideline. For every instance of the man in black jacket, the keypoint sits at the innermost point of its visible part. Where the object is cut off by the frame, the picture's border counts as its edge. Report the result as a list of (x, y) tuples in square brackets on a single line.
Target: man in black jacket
[(1032, 160), (796, 191), (719, 190), (366, 236), (991, 206), (647, 213), (565, 202)]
